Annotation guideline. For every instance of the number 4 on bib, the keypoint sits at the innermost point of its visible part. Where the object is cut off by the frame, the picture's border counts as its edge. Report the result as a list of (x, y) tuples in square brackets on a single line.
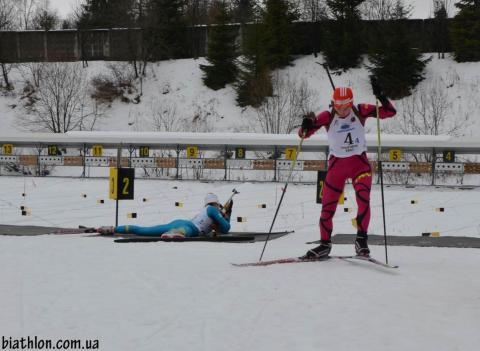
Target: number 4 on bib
[(348, 139)]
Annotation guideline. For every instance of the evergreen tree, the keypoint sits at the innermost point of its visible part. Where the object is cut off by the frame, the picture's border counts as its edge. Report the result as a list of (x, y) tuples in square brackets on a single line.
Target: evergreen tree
[(45, 18), (254, 83), (397, 66), (266, 46), (441, 37), (243, 11), (343, 39), (165, 29), (221, 52), (106, 14), (466, 31), (277, 33)]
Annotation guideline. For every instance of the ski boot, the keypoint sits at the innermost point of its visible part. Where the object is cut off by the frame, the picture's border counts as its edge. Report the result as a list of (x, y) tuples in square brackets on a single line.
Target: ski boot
[(319, 252), (361, 245), (173, 234), (107, 230)]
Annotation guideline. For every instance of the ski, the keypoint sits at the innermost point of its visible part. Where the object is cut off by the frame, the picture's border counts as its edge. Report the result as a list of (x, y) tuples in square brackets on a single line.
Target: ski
[(224, 239), (80, 230), (371, 260), (231, 236), (303, 260), (287, 260)]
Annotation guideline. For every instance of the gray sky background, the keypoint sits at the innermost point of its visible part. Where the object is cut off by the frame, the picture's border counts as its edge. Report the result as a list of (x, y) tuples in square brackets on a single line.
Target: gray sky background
[(64, 7)]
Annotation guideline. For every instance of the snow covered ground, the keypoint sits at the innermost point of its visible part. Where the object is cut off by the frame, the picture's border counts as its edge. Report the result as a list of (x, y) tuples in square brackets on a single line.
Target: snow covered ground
[(186, 296)]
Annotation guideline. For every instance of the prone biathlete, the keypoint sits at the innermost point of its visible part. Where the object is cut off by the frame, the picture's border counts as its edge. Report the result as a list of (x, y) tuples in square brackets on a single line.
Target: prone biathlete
[(345, 126), (211, 217)]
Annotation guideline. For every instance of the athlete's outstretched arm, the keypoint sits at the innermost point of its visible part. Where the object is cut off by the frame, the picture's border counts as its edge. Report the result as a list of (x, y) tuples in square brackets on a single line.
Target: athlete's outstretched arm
[(223, 224), (369, 110)]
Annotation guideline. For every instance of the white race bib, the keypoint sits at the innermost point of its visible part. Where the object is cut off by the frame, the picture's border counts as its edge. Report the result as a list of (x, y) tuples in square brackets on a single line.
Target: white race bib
[(202, 221), (346, 136)]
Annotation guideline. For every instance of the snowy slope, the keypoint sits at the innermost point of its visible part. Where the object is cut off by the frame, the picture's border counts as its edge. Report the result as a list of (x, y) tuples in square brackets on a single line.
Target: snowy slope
[(186, 296), (177, 85)]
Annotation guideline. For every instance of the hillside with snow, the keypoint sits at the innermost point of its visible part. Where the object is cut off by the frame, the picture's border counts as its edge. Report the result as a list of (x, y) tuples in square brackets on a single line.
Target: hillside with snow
[(174, 89)]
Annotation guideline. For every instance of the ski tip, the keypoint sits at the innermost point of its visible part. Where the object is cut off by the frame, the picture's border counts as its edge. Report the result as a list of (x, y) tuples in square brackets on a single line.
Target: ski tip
[(377, 262)]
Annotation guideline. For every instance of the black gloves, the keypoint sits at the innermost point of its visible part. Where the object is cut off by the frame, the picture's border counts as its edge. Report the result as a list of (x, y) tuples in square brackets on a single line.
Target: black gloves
[(308, 121), (378, 91)]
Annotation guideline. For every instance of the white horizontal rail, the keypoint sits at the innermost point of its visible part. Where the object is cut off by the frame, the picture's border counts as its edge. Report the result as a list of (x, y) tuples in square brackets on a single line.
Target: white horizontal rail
[(218, 141)]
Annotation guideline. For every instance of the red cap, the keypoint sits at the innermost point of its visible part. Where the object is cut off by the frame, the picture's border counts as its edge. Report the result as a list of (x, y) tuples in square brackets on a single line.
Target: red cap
[(342, 97)]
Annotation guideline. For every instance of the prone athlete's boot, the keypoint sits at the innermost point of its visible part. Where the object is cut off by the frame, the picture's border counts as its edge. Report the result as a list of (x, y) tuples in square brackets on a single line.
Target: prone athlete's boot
[(107, 230)]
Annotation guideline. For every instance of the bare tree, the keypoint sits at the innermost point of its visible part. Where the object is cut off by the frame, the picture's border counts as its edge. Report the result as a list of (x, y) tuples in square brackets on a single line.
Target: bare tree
[(428, 112), (61, 101), (280, 113), (164, 116), (118, 82), (7, 11), (26, 11), (196, 11), (201, 121), (312, 10), (122, 73), (6, 68), (45, 17), (76, 13), (383, 9), (7, 16), (448, 5), (32, 73), (425, 112)]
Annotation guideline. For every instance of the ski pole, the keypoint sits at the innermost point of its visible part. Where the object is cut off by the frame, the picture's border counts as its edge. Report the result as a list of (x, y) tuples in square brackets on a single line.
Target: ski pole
[(294, 161), (380, 173), (324, 65)]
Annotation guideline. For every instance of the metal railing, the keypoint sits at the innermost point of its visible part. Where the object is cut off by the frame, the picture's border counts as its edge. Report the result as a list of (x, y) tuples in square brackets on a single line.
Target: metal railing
[(230, 156)]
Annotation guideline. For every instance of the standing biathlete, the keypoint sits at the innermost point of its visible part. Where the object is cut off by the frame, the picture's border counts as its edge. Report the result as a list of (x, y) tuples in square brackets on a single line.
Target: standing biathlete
[(345, 125), (212, 216)]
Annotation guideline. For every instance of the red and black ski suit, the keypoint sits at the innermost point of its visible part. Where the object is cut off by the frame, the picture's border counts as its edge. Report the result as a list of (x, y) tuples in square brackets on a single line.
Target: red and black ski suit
[(347, 160)]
